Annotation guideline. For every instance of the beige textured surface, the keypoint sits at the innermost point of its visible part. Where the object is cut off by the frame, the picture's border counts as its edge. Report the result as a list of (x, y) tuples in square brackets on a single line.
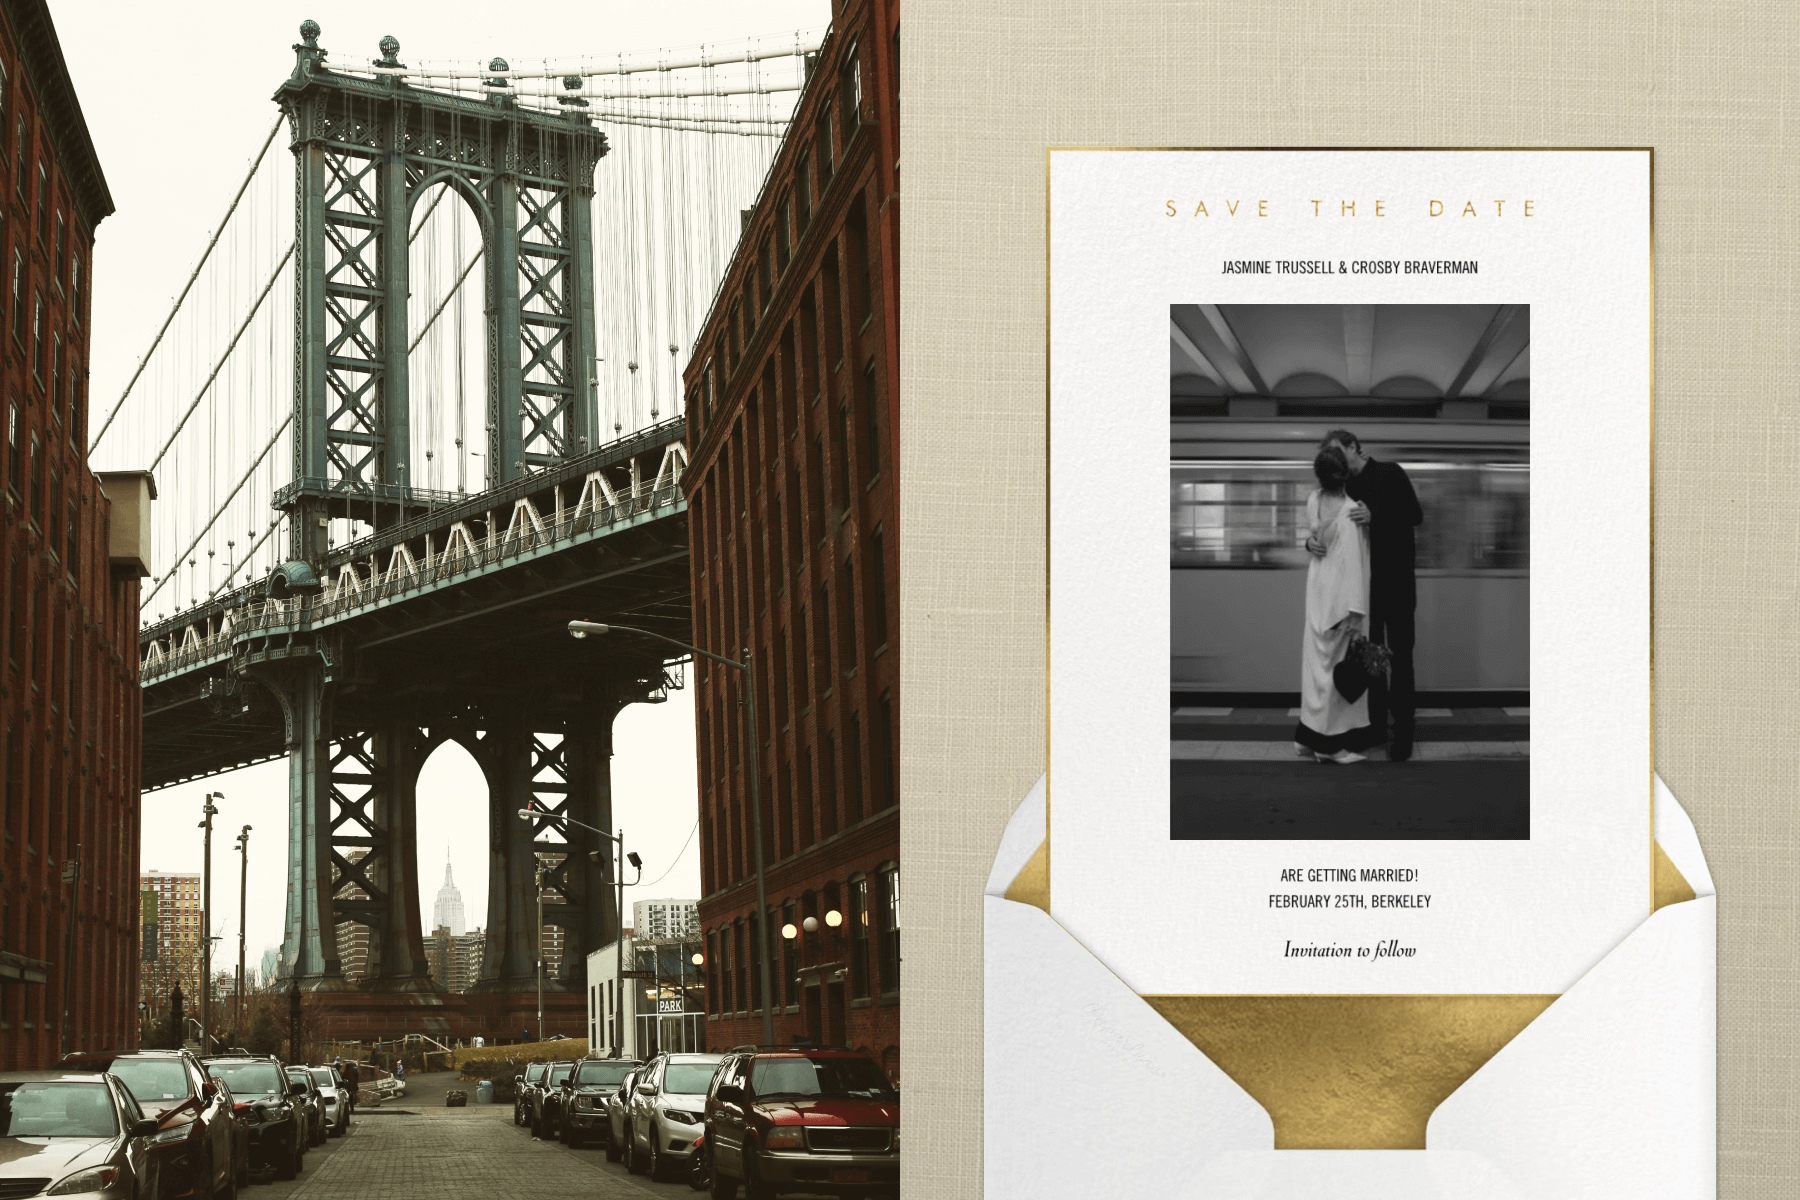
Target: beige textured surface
[(1712, 87)]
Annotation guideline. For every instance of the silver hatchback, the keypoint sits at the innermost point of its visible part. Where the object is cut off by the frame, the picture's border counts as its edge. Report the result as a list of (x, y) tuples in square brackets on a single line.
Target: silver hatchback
[(667, 1112), (73, 1135)]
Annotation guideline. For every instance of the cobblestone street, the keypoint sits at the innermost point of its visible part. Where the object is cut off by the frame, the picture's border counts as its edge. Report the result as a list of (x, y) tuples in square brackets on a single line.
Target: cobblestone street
[(433, 1152)]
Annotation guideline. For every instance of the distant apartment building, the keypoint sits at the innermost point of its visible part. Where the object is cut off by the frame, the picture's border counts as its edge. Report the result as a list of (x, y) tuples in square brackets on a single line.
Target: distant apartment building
[(659, 919), (172, 921), (455, 958), (353, 936)]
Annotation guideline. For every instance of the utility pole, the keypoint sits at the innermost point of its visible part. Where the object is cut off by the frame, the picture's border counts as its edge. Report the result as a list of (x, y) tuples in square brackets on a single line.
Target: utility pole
[(206, 915), (237, 1016), (540, 947), (71, 876)]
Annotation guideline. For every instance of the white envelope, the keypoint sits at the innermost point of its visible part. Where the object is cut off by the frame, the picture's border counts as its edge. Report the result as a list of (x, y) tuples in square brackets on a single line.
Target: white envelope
[(1609, 1092)]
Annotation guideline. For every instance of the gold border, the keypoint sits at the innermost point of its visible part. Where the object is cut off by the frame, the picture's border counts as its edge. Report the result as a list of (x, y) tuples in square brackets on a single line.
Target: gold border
[(1649, 151)]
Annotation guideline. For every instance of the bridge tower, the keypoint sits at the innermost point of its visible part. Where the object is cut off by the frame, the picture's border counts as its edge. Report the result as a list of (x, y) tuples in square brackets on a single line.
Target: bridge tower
[(366, 150)]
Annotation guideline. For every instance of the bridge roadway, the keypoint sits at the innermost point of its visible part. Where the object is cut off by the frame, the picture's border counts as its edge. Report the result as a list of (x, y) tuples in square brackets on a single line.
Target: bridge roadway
[(468, 597)]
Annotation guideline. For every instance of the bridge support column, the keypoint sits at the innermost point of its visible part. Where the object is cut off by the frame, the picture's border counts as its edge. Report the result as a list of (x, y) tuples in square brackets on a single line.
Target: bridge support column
[(592, 913), (309, 946), (509, 964), (396, 941)]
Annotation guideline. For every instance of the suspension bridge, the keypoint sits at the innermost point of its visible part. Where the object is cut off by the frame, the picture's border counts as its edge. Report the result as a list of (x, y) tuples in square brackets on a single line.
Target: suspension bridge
[(389, 495)]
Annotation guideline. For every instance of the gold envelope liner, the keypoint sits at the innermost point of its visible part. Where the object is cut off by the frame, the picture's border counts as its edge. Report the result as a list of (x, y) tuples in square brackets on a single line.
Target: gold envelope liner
[(1349, 1072)]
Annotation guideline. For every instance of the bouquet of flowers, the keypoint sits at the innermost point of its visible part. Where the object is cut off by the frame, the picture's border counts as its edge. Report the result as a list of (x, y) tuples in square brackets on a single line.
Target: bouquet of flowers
[(1371, 657)]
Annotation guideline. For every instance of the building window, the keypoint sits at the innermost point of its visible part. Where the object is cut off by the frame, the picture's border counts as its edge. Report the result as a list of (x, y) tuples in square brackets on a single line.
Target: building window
[(856, 237), (803, 187), (18, 294), (56, 258), (74, 422), (12, 447), (43, 205), (889, 900), (825, 149), (75, 287), (840, 450), (740, 993), (886, 795), (877, 600), (712, 971), (859, 936), (37, 335), (853, 775), (871, 415), (850, 92), (764, 274), (848, 610), (19, 160), (822, 636), (34, 482), (784, 246), (790, 952), (74, 540), (55, 405)]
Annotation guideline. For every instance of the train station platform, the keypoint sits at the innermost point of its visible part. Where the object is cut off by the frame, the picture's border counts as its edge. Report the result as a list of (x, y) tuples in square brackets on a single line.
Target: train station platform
[(1234, 773)]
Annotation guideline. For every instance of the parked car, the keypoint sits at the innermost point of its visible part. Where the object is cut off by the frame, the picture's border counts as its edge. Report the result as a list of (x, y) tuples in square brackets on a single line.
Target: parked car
[(615, 1117), (312, 1101), (546, 1099), (196, 1141), (73, 1133), (665, 1114), (817, 1121), (584, 1093), (523, 1085), (266, 1098), (337, 1101)]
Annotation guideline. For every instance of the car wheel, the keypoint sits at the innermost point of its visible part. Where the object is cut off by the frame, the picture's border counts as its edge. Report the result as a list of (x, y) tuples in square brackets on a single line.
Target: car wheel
[(656, 1166), (518, 1115), (634, 1160), (612, 1145), (289, 1166), (724, 1187), (754, 1187), (699, 1172)]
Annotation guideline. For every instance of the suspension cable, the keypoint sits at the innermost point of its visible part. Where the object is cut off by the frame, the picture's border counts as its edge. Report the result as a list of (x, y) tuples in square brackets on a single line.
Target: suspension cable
[(167, 321), (248, 317), (448, 296), (281, 429)]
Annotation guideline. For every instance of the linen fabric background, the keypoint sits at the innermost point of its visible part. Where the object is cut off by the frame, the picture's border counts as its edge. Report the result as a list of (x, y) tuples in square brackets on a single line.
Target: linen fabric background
[(1714, 89)]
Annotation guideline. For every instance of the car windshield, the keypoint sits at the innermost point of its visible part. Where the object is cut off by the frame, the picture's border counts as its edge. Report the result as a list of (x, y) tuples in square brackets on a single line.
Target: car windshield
[(558, 1073), (248, 1079), (152, 1078), (688, 1079), (858, 1078), (149, 1079), (534, 1072), (610, 1074), (322, 1076), (76, 1110)]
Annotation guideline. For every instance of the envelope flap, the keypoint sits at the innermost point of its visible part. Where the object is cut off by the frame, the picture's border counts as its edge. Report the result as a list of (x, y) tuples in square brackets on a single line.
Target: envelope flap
[(1676, 835), (1026, 834)]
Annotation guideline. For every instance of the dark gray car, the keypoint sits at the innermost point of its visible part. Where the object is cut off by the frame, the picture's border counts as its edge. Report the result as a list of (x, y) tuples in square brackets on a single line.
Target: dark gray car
[(312, 1101)]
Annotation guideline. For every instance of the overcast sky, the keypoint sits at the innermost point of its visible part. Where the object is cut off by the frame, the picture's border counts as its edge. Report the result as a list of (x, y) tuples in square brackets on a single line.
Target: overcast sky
[(176, 97)]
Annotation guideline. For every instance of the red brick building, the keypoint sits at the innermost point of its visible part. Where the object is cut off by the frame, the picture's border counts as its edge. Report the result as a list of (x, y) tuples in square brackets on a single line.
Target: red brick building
[(69, 702), (793, 528)]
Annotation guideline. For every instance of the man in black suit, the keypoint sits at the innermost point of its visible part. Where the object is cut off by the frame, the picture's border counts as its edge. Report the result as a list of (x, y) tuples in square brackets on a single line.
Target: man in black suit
[(1392, 513)]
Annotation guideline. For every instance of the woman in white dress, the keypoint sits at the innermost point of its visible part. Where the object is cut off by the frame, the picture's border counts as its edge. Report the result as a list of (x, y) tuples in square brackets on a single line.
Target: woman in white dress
[(1332, 728)]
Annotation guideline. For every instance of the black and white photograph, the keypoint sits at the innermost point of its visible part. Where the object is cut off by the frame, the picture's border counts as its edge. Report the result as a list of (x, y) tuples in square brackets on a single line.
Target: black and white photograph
[(1349, 571)]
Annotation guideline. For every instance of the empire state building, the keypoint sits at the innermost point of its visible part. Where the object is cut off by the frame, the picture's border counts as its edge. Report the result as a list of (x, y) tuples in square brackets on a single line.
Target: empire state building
[(448, 911)]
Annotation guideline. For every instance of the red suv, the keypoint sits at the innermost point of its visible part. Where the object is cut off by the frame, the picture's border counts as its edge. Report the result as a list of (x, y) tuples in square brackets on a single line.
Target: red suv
[(802, 1120)]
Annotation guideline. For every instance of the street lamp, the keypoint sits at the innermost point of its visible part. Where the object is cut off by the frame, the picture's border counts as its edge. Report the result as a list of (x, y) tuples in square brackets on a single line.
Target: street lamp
[(581, 629), (537, 814), (206, 915), (237, 1017)]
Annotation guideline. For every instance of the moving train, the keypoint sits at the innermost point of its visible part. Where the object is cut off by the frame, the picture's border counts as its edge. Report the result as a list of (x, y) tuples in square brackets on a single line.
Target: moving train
[(1237, 533)]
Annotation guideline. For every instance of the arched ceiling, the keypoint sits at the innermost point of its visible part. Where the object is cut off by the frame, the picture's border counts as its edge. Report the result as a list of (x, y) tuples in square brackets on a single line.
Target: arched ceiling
[(1318, 351)]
